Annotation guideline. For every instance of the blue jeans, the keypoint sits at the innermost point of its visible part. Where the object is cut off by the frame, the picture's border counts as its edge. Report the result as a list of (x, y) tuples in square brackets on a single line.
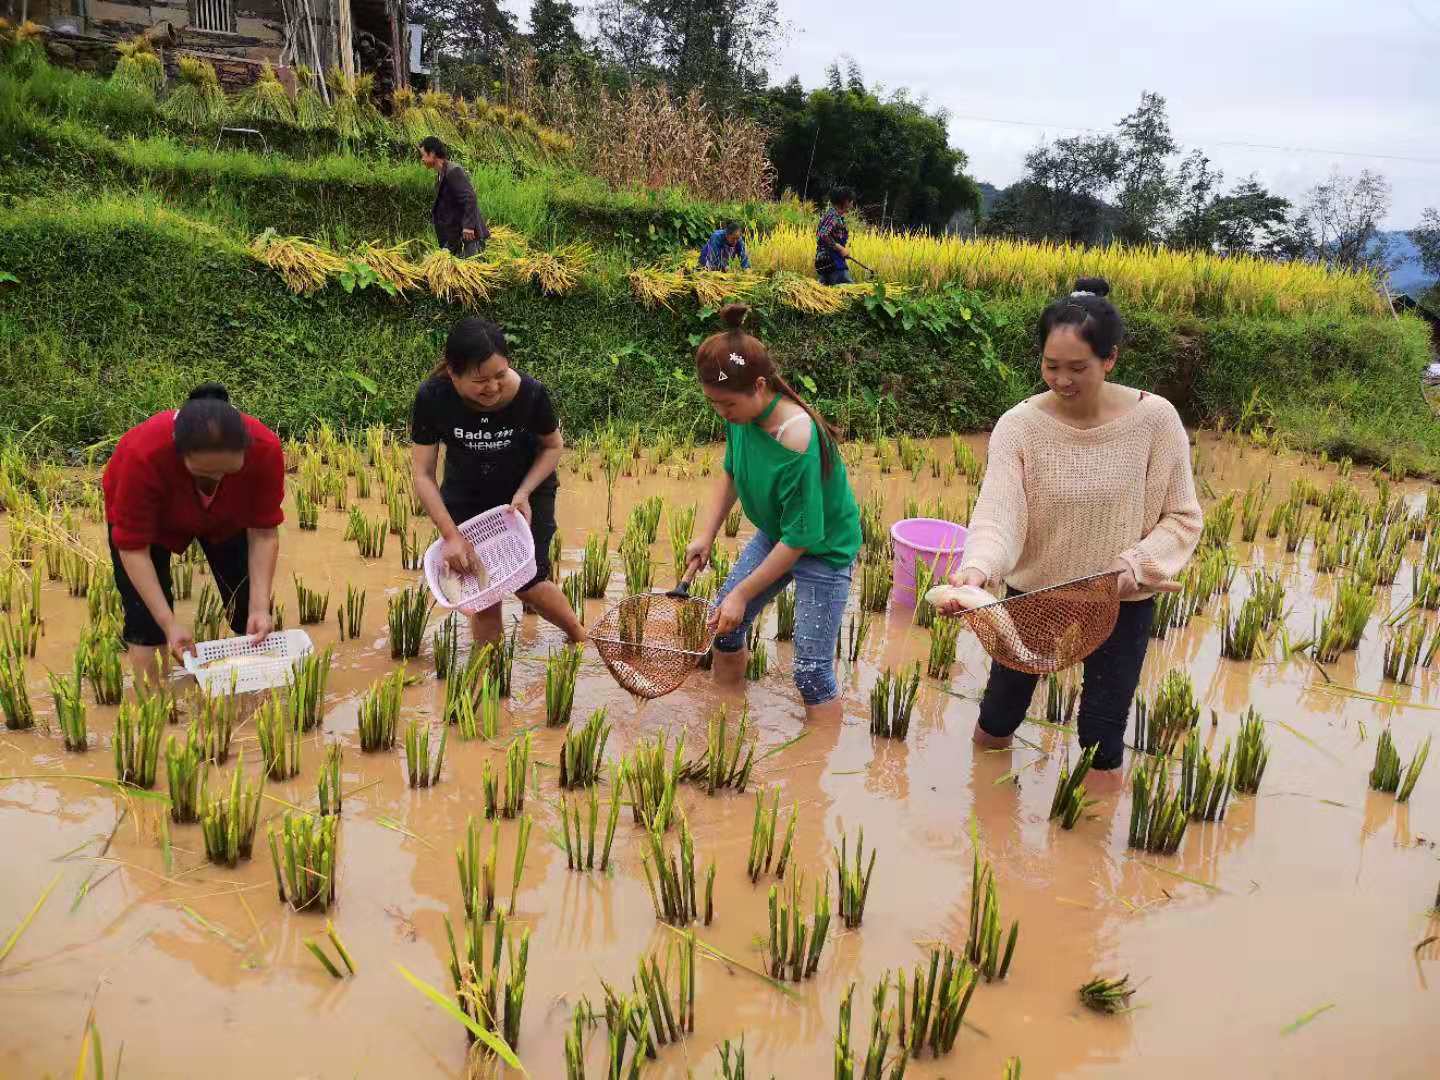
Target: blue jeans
[(838, 274), (821, 591)]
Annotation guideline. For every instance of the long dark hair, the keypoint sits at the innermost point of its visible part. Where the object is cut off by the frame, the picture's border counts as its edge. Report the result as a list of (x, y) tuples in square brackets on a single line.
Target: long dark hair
[(207, 421), (716, 366), (1093, 316), (470, 343)]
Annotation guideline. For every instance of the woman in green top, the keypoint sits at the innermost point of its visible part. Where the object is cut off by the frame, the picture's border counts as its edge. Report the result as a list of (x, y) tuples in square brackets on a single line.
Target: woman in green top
[(782, 463)]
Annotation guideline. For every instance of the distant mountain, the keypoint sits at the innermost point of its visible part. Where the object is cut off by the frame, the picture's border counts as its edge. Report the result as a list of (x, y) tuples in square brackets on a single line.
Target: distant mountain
[(1408, 276)]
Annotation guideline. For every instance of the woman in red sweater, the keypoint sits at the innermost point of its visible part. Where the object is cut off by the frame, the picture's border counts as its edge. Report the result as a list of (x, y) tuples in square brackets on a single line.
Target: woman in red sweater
[(204, 472)]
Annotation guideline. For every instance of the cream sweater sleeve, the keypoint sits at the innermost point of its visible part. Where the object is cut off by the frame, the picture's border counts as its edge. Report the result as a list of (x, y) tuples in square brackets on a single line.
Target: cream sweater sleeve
[(1171, 503), (998, 525)]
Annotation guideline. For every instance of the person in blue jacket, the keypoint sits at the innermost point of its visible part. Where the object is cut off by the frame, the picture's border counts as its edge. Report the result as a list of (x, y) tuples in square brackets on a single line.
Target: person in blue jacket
[(725, 246)]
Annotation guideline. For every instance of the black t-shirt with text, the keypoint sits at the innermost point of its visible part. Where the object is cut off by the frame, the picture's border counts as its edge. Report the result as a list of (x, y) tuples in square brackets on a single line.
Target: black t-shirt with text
[(487, 453)]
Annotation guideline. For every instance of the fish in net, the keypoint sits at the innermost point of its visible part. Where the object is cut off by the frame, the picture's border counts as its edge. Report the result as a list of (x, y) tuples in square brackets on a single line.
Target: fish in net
[(651, 642)]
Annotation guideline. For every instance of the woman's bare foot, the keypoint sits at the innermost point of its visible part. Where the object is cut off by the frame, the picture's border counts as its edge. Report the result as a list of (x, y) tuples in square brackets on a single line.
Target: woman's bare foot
[(1104, 781), (983, 738)]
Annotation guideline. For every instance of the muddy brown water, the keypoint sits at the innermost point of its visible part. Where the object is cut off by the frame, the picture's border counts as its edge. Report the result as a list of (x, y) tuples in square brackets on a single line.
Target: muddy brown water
[(1312, 896)]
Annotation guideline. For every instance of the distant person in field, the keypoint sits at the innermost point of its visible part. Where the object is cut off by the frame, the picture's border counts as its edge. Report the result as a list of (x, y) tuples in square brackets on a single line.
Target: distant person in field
[(459, 225), (1088, 477), (725, 246), (204, 472), (783, 463), (502, 443), (832, 237)]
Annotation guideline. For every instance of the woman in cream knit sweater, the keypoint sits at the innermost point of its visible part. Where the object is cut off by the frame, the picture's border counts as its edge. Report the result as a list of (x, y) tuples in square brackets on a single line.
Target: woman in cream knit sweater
[(1089, 477)]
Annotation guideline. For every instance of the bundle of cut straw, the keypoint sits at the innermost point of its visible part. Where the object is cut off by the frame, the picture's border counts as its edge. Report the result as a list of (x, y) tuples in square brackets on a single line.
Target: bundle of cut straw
[(390, 264), (655, 287), (468, 281), (305, 266)]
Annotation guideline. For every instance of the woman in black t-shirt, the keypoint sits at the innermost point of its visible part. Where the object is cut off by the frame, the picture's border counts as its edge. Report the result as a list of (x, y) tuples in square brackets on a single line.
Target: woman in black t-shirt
[(502, 443)]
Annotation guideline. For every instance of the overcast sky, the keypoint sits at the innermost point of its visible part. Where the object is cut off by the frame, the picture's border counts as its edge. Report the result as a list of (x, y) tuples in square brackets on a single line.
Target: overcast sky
[(1312, 77)]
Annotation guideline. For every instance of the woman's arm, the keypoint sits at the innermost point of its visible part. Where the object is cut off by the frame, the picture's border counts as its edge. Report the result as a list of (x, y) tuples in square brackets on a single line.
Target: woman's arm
[(141, 572), (458, 554), (998, 525), (777, 564), (721, 500), (1162, 553), (264, 551), (551, 447)]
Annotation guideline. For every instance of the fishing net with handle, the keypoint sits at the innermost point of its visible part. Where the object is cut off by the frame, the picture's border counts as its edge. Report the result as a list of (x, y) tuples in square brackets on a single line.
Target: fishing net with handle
[(651, 642)]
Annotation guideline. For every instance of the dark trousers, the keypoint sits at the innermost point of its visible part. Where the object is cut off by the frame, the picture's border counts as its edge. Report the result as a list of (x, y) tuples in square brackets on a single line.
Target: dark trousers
[(1112, 673), (229, 565)]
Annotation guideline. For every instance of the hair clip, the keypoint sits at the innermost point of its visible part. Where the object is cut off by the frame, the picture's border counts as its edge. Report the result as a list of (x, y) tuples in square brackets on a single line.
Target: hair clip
[(737, 359), (1082, 292), (723, 376)]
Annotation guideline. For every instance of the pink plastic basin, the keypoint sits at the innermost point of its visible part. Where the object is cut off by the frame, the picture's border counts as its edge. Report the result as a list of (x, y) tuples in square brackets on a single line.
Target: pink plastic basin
[(939, 543)]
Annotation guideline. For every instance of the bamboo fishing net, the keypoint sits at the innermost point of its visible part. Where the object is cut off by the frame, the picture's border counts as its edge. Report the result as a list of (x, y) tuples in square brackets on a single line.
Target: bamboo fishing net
[(652, 641), (1047, 630)]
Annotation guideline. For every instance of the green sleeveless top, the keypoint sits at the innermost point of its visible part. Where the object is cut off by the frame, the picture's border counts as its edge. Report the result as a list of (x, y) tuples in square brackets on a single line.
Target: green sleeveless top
[(785, 494)]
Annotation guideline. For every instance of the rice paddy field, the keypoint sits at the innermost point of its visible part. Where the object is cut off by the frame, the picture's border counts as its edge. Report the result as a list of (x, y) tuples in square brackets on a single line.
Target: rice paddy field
[(655, 892)]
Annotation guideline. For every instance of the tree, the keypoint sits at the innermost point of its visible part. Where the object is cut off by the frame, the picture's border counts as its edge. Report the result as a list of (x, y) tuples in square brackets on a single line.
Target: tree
[(472, 38), (1061, 196), (1146, 188), (1339, 222), (553, 36), (1426, 237), (1195, 186), (894, 153), (1247, 221)]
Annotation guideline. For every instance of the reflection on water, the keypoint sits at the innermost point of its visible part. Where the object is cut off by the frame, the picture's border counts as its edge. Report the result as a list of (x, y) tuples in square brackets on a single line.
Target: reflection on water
[(1315, 892)]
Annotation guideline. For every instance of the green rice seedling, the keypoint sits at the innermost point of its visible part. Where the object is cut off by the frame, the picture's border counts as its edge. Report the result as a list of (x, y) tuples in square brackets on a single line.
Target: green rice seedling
[(136, 741), (305, 688), (1205, 785), (183, 580), (732, 1060), (1251, 753), (1219, 523), (490, 1000), (279, 734), (412, 551), (1069, 801), (328, 783), (69, 708), (1062, 695), (509, 801), (355, 524), (227, 822), (795, 945), (718, 767), (1275, 522), (562, 669), (502, 660), (982, 947), (580, 855), (1342, 627), (311, 604), (370, 538), (892, 700), (557, 552), (857, 630), (209, 614), (876, 577), (626, 1023), (924, 611), (582, 754), (76, 571), (407, 611), (595, 567), (487, 704), (422, 769), (639, 571), (277, 613), (1427, 655), (101, 651), (1107, 995), (1403, 647), (670, 878), (762, 837), (522, 846), (938, 1003), (1425, 588), (1386, 774), (352, 615), (1252, 509), (785, 614), (1158, 814), (307, 511), (944, 633), (669, 1024), (682, 531), (720, 561), (445, 646), (853, 887), (757, 659), (1161, 722), (14, 694), (1246, 636), (1296, 526), (732, 522), (651, 774), (397, 512), (302, 853), (380, 712), (574, 590), (185, 769), (874, 539), (317, 950), (477, 876)]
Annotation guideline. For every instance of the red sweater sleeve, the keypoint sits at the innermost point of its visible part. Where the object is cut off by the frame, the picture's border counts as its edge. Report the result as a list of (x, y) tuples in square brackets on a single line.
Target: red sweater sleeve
[(267, 457), (135, 503)]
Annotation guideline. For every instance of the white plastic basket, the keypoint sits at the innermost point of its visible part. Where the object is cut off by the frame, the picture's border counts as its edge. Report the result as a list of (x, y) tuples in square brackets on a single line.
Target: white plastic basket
[(282, 650), (502, 541)]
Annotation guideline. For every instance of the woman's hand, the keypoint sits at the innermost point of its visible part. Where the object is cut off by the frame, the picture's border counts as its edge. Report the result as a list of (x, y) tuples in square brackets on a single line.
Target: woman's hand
[(697, 555), (259, 624), (459, 555), (960, 579), (179, 640), (521, 505), (730, 613), (1125, 585)]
